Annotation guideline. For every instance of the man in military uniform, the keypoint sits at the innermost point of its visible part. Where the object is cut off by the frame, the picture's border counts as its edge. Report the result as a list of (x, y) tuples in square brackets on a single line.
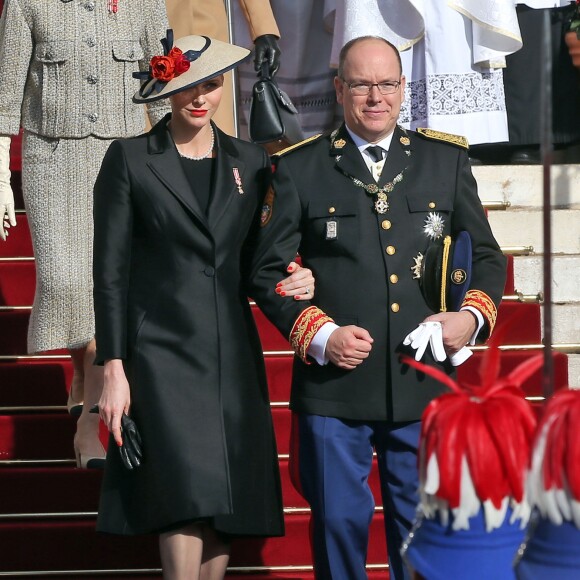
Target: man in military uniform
[(362, 220)]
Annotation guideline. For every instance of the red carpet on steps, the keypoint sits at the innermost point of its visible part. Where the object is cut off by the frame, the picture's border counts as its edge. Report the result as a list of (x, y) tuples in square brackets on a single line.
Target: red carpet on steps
[(71, 544), (18, 244)]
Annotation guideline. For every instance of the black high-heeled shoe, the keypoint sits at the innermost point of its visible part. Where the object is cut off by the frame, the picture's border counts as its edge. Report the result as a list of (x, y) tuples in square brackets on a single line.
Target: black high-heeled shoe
[(74, 408), (85, 461)]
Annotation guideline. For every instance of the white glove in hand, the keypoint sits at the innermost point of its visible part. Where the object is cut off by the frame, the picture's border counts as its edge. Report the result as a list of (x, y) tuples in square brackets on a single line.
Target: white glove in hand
[(431, 333), (7, 215), (418, 339), (427, 333), (460, 356)]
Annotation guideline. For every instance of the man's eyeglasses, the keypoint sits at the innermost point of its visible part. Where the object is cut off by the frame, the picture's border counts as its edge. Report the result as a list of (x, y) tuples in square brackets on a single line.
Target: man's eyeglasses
[(363, 89)]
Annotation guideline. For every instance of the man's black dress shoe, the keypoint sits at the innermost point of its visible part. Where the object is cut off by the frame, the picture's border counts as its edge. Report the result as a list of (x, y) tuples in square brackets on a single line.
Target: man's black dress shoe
[(525, 156)]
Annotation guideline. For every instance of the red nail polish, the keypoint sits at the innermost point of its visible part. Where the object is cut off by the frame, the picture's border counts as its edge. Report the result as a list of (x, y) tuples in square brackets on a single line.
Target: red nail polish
[(296, 297), (279, 284), (282, 293), (278, 290), (289, 268)]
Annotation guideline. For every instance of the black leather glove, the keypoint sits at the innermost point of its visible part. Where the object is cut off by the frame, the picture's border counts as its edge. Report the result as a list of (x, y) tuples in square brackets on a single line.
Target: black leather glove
[(131, 450), (267, 49)]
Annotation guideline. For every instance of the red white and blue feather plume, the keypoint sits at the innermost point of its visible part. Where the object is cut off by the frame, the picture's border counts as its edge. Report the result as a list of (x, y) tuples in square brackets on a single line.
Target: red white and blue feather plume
[(476, 443), (554, 478)]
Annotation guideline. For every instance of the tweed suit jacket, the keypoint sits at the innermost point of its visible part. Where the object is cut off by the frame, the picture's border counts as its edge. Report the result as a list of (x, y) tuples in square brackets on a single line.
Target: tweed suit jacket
[(363, 264), (66, 66)]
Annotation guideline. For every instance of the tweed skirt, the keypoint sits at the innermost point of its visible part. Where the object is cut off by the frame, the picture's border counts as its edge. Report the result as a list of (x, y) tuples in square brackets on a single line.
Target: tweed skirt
[(57, 183)]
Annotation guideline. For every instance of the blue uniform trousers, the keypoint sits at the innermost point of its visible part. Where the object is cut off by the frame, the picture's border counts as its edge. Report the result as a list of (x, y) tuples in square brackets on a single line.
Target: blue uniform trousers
[(334, 460)]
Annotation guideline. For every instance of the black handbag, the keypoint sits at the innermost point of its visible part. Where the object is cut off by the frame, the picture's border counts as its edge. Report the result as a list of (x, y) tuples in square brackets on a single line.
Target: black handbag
[(273, 117)]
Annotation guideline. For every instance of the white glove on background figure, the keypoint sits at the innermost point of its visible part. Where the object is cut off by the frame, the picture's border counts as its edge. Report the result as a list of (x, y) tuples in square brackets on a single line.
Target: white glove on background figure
[(7, 215), (431, 334)]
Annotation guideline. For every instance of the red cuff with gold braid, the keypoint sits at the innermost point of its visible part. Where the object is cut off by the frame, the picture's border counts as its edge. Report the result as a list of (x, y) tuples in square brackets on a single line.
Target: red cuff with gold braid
[(484, 304), (306, 326)]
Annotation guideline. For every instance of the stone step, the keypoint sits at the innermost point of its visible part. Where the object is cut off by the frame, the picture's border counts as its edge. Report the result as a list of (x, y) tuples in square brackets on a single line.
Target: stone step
[(574, 371), (522, 186), (565, 323), (529, 272), (524, 228)]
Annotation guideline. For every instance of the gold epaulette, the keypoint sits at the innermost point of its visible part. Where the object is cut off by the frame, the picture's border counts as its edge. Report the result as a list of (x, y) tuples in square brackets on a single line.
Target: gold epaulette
[(297, 145), (446, 137)]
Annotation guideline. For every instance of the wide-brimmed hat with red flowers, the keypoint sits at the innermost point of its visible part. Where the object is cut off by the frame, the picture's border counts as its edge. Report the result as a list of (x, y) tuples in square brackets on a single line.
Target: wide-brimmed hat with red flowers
[(191, 61)]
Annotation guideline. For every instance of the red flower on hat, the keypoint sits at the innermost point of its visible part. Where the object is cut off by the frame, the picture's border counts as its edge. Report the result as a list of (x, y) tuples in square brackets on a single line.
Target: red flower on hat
[(181, 63), (166, 68), (163, 68)]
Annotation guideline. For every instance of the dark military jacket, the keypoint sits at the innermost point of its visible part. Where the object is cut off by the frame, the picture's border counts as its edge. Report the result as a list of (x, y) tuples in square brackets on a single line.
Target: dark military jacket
[(363, 261)]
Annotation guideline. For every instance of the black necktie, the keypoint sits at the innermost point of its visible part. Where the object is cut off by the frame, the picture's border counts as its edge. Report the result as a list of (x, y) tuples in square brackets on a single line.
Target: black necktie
[(375, 152)]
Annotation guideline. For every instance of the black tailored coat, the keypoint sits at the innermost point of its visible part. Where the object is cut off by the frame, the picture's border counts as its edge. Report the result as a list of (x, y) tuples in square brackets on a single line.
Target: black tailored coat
[(170, 300), (364, 276)]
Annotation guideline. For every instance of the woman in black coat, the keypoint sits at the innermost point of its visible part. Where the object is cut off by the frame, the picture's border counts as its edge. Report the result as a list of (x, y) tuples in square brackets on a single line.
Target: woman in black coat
[(175, 212)]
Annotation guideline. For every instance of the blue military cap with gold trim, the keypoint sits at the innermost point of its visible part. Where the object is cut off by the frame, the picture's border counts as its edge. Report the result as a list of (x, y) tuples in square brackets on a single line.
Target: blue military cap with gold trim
[(446, 272)]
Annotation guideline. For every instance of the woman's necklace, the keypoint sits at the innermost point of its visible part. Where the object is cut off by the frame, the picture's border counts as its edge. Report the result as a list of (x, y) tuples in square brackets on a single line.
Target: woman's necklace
[(205, 155)]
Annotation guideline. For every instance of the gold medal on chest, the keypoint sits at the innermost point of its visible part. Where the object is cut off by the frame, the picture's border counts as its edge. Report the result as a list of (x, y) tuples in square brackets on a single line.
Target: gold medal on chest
[(381, 203)]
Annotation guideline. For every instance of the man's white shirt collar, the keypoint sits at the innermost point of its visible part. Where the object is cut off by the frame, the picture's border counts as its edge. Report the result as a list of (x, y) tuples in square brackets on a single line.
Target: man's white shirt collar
[(374, 168), (362, 144)]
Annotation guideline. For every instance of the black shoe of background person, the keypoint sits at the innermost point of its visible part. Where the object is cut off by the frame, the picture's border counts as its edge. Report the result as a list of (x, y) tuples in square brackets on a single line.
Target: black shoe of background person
[(525, 156), (489, 154)]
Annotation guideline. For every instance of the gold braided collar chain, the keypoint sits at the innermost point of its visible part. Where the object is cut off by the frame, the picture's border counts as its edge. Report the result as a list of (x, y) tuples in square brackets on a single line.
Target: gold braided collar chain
[(381, 203)]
